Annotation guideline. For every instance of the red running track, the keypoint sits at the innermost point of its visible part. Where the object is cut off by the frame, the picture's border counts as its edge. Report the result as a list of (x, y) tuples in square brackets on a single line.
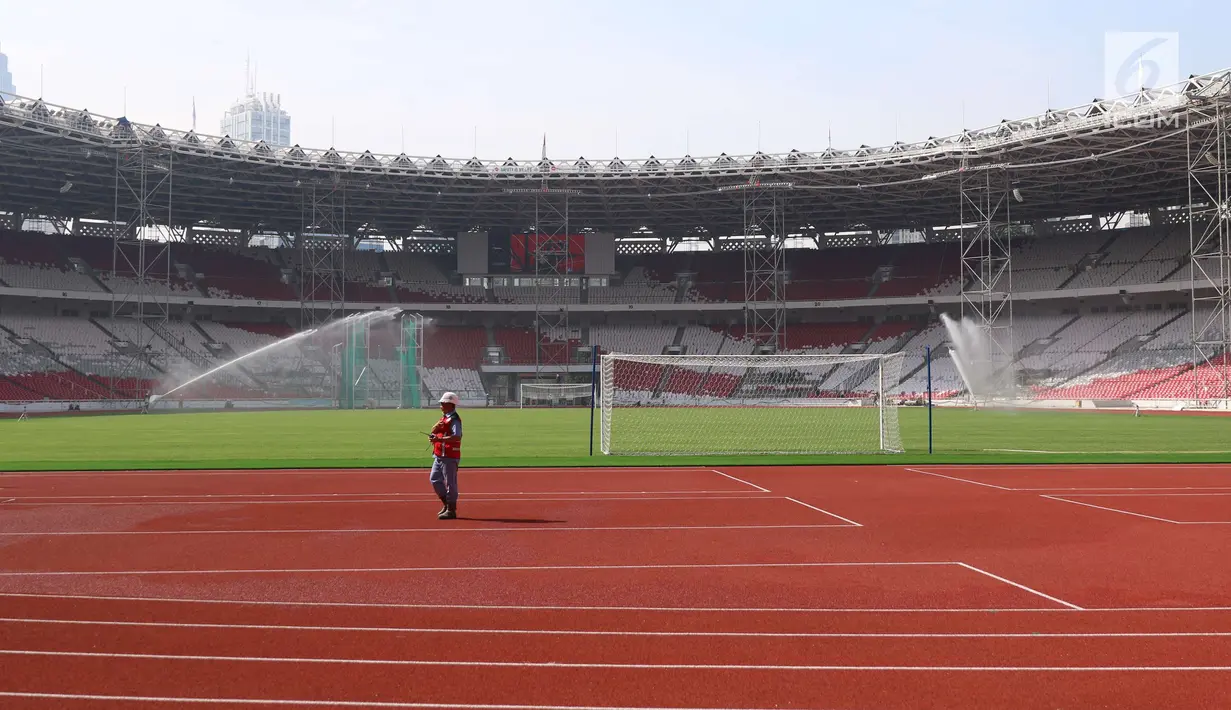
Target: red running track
[(855, 587)]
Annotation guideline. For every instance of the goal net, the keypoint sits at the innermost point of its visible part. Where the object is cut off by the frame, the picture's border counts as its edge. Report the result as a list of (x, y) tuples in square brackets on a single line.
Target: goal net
[(749, 404), (553, 395)]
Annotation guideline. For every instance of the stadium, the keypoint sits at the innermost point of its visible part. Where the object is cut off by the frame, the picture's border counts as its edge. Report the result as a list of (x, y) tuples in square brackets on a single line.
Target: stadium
[(1009, 325), (1087, 245)]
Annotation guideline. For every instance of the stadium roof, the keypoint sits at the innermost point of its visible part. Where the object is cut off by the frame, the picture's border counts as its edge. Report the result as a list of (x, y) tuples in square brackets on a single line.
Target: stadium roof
[(1101, 158)]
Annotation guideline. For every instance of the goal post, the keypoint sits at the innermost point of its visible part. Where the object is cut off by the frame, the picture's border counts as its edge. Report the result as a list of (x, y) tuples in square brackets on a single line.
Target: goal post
[(534, 394), (662, 405)]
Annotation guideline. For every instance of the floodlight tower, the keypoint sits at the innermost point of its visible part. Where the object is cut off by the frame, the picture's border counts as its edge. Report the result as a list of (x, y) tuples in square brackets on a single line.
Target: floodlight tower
[(987, 263), (1209, 223), (764, 246)]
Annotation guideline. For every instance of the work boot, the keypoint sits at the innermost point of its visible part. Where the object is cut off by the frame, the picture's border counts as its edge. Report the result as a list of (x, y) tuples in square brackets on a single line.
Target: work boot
[(449, 513)]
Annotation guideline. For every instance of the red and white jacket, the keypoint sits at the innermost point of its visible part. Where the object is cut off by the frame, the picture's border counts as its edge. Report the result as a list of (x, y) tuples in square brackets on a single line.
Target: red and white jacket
[(449, 425)]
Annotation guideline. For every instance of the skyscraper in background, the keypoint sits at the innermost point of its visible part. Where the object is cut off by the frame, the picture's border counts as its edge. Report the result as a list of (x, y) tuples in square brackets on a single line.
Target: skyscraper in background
[(7, 90), (257, 117)]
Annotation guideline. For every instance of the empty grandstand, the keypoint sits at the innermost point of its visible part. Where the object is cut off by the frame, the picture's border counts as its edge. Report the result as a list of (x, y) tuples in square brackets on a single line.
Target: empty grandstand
[(1107, 304)]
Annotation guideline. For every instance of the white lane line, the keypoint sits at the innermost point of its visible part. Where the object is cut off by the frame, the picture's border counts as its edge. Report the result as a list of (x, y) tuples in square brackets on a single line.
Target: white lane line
[(960, 480), (1019, 586), (740, 480), (1202, 522), (589, 632), (316, 703), (1141, 495), (569, 665), (372, 531), (428, 496), (478, 498), (555, 608), (510, 568), (826, 512), (1095, 489), (1146, 467), (102, 473), (180, 700), (1110, 510)]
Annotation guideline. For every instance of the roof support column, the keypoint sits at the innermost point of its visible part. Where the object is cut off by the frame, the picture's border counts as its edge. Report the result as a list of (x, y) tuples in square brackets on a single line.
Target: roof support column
[(987, 273), (1209, 228)]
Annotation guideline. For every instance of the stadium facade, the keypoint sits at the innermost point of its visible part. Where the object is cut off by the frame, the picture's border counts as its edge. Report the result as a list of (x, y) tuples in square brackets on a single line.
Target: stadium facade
[(1092, 245)]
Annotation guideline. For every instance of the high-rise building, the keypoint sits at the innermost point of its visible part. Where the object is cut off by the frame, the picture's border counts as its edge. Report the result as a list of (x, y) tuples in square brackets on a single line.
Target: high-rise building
[(7, 90), (258, 117)]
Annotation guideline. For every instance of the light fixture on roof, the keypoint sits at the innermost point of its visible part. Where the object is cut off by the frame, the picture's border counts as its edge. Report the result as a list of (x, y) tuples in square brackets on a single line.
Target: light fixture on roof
[(541, 191), (755, 184)]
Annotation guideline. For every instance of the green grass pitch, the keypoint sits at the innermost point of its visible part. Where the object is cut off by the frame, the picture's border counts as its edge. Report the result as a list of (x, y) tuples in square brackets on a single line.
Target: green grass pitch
[(560, 437)]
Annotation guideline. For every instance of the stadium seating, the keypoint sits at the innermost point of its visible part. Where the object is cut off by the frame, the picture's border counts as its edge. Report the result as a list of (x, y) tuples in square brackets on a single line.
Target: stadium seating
[(945, 376), (642, 339), (1206, 381), (817, 336), (515, 294), (243, 274), (31, 261), (463, 382), (1104, 258), (456, 347), (1067, 350), (698, 340), (1080, 361), (637, 286)]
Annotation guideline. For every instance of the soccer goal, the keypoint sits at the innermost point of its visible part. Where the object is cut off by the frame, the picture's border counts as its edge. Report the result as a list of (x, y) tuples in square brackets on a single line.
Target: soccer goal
[(533, 394), (662, 405)]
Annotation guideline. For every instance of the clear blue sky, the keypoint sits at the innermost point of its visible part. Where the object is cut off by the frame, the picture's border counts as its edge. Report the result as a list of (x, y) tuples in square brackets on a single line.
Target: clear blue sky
[(665, 76)]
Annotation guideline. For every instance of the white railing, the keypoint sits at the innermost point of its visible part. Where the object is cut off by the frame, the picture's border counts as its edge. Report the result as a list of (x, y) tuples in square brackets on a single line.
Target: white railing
[(36, 114)]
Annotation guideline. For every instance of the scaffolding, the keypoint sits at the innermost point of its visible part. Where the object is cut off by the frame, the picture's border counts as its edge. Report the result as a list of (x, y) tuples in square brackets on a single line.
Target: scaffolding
[(547, 245), (140, 265), (1209, 223), (985, 195), (764, 249), (323, 242)]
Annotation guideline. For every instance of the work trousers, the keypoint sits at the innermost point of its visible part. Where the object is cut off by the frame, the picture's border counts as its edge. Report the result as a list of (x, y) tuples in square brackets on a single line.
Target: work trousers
[(444, 478)]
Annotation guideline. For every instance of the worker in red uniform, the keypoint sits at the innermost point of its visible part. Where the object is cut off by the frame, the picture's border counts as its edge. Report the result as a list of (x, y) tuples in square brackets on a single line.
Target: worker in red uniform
[(446, 440)]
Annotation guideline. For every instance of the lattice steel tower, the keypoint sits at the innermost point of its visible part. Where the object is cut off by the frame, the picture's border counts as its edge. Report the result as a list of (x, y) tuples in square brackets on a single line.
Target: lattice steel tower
[(322, 243), (547, 243), (764, 246), (140, 261), (987, 263), (1209, 186)]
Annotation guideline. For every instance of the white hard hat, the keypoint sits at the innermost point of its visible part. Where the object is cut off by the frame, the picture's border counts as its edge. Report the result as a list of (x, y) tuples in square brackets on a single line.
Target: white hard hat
[(450, 398)]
